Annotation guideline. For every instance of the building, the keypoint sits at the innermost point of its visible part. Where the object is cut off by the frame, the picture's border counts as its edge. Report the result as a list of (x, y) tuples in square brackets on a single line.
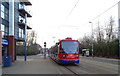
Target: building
[(13, 24)]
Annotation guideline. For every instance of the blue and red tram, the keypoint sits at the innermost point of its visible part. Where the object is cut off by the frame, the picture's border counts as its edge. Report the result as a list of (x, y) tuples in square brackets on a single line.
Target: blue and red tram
[(66, 51)]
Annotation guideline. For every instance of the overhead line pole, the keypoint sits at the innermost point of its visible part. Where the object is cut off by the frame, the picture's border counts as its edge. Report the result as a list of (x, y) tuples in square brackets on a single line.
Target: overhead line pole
[(119, 33), (119, 26)]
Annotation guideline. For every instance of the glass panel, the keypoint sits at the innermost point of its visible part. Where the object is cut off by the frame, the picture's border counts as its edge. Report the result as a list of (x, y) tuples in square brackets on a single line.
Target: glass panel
[(3, 34), (6, 11), (22, 34), (6, 17), (2, 27), (70, 47), (2, 8), (21, 6), (19, 32), (6, 30), (21, 19), (2, 15)]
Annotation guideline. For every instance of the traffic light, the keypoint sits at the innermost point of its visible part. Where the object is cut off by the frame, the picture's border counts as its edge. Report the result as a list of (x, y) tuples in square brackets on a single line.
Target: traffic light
[(44, 44)]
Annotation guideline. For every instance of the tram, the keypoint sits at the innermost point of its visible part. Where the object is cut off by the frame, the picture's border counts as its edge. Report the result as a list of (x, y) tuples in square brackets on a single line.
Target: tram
[(66, 51)]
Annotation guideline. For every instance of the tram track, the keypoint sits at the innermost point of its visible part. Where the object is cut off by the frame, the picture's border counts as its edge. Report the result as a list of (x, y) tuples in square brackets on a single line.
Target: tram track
[(93, 68), (97, 68), (73, 73)]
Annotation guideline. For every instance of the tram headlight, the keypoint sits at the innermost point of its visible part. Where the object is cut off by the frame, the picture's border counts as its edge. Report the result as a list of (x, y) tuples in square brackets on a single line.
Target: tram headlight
[(77, 55), (64, 55)]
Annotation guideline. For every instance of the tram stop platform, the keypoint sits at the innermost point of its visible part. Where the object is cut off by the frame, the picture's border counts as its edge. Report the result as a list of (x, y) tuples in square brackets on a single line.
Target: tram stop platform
[(34, 65)]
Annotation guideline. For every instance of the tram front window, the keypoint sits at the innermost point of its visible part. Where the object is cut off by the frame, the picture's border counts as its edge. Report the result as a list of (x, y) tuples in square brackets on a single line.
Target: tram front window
[(70, 47)]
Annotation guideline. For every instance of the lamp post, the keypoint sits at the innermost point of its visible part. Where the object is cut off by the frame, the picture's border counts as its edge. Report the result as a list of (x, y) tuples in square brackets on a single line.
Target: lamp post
[(92, 35), (25, 46)]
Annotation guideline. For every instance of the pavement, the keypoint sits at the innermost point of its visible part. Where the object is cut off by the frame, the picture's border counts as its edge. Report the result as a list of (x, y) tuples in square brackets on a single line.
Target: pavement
[(38, 65), (0, 70), (35, 65)]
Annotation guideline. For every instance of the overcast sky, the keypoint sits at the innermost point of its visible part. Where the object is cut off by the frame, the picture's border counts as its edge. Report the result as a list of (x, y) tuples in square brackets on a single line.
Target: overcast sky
[(53, 19)]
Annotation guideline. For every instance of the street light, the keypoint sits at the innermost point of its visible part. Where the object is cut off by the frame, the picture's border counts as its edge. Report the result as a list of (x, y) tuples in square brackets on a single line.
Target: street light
[(92, 36)]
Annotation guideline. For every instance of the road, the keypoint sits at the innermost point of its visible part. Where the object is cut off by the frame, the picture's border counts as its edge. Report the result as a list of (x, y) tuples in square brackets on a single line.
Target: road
[(38, 65), (94, 66)]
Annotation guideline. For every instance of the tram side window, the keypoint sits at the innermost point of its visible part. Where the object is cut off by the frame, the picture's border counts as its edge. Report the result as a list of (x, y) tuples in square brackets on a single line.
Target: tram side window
[(56, 49)]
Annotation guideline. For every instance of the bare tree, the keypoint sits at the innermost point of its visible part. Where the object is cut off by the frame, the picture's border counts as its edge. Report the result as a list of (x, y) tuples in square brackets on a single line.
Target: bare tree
[(105, 39), (99, 33), (31, 37), (110, 30), (86, 42)]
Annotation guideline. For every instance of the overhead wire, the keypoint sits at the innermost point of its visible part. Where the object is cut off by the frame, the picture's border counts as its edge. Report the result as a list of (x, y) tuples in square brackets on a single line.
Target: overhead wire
[(70, 13), (104, 11), (73, 8), (93, 18)]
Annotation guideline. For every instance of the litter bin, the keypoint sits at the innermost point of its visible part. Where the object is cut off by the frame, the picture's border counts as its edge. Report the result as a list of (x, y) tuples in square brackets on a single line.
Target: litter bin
[(7, 61)]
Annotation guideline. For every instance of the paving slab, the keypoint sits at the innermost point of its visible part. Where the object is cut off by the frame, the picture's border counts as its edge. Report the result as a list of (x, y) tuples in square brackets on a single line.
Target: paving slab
[(0, 70), (35, 65)]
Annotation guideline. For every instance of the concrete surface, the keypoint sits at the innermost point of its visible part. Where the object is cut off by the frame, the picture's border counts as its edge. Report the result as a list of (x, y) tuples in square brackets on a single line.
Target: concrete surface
[(0, 70), (38, 65), (35, 65)]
